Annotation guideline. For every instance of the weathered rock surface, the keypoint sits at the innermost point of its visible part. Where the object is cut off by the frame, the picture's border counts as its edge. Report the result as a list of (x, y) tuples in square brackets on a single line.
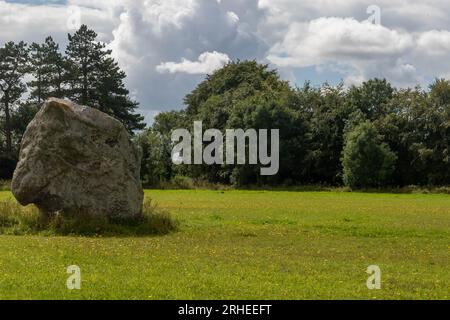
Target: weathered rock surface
[(78, 159)]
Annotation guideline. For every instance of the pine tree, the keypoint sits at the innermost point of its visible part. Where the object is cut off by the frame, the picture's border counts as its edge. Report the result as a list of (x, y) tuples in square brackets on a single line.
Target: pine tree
[(113, 97), (56, 66), (96, 79), (85, 56), (37, 86), (48, 66), (13, 67)]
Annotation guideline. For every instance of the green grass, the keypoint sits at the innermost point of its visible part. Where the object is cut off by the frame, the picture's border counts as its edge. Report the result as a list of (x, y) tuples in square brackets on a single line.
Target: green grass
[(249, 245)]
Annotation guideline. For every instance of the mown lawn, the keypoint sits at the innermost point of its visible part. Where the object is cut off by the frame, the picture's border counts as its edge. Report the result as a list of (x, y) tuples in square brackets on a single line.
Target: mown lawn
[(250, 245)]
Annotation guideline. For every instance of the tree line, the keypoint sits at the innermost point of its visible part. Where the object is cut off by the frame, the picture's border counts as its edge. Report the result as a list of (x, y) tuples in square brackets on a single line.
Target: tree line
[(85, 73), (370, 135)]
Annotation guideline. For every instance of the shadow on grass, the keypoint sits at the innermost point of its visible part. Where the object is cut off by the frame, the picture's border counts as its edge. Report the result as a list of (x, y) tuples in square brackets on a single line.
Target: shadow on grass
[(320, 188), (18, 220), (192, 184)]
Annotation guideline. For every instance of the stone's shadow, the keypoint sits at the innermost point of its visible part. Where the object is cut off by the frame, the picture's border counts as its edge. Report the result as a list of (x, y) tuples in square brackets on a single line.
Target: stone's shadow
[(18, 220)]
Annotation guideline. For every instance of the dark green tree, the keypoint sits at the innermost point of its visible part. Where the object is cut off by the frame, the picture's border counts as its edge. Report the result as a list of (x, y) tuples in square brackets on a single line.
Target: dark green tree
[(20, 119), (246, 95), (366, 160), (49, 70), (38, 86), (96, 80), (13, 68), (327, 115), (156, 164), (85, 56), (113, 97), (371, 97), (440, 92), (416, 125)]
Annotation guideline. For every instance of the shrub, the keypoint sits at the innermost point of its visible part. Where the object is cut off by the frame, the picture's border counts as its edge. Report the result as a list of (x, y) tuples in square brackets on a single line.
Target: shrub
[(367, 161), (5, 185), (15, 219), (182, 182)]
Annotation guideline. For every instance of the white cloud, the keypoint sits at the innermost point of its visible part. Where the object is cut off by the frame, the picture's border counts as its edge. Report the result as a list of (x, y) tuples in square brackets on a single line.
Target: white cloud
[(154, 36), (338, 40), (166, 46), (358, 50), (331, 35), (435, 43), (412, 15), (207, 63)]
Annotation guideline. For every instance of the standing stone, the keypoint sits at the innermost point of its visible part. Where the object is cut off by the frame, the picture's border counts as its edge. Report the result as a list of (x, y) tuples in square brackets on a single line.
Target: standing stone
[(76, 159)]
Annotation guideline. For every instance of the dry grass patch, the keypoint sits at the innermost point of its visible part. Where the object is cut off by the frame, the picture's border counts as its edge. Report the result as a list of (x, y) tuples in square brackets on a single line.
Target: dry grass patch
[(18, 220)]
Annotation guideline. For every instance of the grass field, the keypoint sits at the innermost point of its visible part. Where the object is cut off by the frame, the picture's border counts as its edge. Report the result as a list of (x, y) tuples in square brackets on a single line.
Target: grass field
[(249, 245)]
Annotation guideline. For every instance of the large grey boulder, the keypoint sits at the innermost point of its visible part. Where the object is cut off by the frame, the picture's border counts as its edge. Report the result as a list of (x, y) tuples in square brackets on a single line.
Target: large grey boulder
[(76, 159)]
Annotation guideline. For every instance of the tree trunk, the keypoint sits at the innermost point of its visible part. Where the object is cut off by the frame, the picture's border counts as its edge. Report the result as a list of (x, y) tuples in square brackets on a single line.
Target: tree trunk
[(39, 89), (85, 87), (8, 127)]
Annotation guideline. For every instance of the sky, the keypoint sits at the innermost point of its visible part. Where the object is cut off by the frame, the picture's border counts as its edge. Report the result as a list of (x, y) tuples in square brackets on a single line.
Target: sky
[(167, 47)]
